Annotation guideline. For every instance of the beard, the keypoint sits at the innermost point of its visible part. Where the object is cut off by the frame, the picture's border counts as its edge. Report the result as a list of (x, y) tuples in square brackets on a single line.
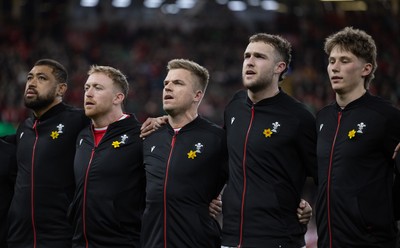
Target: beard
[(41, 101), (258, 84)]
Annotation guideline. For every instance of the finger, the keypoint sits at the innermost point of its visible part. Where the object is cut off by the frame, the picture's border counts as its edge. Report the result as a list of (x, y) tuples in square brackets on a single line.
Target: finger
[(394, 154), (146, 123), (396, 150), (144, 134)]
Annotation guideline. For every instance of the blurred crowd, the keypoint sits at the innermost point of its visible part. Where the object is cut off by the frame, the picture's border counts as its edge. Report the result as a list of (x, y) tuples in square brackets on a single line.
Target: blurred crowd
[(141, 52)]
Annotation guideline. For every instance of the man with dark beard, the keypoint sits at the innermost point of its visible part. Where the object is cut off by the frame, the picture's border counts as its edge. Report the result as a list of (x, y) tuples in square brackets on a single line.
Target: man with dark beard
[(45, 154)]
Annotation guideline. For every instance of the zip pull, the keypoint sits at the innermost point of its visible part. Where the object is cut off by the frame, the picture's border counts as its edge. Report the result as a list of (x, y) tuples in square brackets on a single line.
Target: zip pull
[(35, 124)]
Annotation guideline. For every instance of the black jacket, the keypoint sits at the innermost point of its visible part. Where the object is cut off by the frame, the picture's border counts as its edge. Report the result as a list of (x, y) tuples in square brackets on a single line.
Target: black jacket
[(271, 147), (185, 170), (45, 181), (110, 187), (8, 170), (355, 145)]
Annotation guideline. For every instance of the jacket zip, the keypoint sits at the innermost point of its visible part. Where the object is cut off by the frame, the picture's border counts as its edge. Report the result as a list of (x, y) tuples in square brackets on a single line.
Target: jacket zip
[(244, 178), (328, 188), (165, 187), (84, 199), (33, 183)]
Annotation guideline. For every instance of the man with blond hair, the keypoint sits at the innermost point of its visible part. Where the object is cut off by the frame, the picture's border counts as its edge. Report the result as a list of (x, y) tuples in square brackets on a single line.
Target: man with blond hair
[(109, 174), (186, 165)]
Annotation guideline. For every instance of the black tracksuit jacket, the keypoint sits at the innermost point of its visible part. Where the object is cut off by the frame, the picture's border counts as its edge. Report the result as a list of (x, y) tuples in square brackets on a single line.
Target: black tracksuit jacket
[(355, 145), (110, 187), (185, 170), (8, 170), (45, 179), (271, 147)]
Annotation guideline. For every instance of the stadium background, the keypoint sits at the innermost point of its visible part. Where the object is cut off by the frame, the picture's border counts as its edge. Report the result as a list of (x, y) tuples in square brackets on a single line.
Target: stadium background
[(140, 37)]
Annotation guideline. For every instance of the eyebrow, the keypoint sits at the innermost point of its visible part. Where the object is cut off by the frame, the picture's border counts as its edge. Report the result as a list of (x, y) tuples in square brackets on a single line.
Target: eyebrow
[(38, 74)]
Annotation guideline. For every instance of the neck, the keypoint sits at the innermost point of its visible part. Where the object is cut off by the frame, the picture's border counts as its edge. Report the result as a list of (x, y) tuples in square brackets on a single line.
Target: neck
[(106, 120), (263, 94), (344, 99), (179, 121)]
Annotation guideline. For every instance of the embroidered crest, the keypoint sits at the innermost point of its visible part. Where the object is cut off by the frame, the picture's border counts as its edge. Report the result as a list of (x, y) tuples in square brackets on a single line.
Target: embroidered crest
[(117, 143), (352, 133), (192, 154), (56, 134), (268, 132)]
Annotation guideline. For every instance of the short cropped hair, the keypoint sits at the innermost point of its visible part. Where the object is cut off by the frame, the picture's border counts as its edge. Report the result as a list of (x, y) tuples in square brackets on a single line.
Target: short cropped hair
[(198, 70), (118, 78), (281, 45), (59, 71)]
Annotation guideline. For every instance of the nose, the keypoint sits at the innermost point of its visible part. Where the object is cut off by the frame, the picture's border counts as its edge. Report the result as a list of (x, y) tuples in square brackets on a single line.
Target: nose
[(167, 87), (249, 61), (88, 92), (334, 66), (31, 82)]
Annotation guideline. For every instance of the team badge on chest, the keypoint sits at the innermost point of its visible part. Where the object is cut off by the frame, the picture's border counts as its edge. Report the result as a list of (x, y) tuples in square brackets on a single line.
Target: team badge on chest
[(268, 132), (360, 130), (56, 134), (192, 154), (117, 144)]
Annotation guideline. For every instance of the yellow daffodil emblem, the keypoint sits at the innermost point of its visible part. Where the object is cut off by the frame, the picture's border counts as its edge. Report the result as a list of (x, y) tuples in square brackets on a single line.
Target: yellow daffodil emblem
[(191, 154), (267, 133), (352, 134), (116, 144), (54, 134)]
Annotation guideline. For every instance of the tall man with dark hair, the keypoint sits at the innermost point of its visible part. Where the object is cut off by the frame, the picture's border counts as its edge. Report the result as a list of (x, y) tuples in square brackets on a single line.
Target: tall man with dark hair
[(271, 144), (356, 138), (45, 153), (109, 173)]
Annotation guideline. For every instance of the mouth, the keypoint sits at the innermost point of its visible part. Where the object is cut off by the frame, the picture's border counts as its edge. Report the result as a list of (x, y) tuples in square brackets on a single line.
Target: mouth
[(336, 78), (30, 93), (87, 103), (248, 74), (168, 97)]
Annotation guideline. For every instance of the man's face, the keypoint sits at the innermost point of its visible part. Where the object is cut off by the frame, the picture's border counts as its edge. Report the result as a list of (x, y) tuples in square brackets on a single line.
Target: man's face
[(41, 88), (180, 93), (100, 95), (259, 66), (346, 71)]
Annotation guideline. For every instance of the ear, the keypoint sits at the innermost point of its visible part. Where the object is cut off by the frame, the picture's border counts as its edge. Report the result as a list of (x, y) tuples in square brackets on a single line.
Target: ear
[(118, 98), (61, 89), (198, 96), (367, 69), (280, 67)]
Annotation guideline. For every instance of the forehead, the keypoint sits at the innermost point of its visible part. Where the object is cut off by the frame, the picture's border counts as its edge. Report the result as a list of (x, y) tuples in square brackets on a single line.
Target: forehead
[(338, 51), (44, 69), (99, 78), (178, 74), (259, 47)]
